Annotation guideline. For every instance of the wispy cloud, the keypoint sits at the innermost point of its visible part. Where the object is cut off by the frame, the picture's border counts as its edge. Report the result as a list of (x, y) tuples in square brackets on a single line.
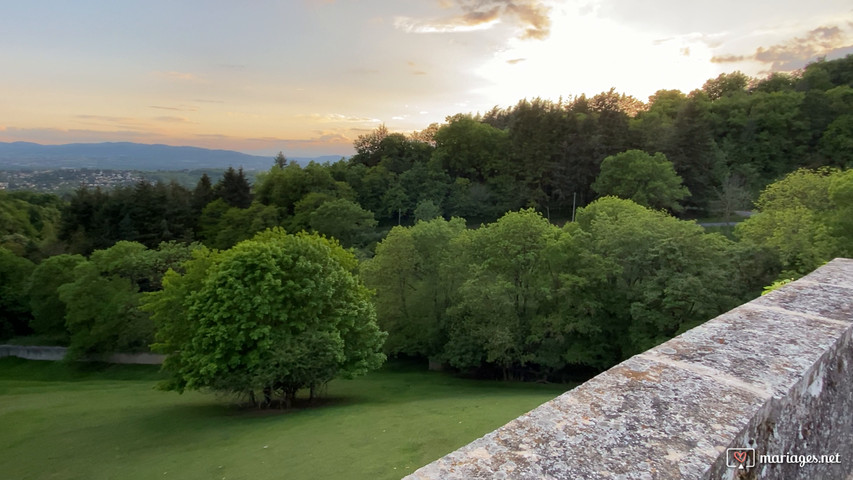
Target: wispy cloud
[(54, 136), (796, 52), (531, 16), (104, 118), (337, 117), (172, 119), (179, 108)]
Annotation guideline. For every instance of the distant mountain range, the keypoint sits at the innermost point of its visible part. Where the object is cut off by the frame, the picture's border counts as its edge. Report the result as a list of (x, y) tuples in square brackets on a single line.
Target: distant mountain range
[(132, 156)]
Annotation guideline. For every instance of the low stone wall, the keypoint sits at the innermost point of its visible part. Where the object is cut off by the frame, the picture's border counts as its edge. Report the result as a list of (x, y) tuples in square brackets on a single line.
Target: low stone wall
[(58, 353), (33, 353), (774, 375)]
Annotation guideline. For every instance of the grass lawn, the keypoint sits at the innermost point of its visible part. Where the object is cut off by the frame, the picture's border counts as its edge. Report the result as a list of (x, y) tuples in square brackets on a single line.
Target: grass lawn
[(60, 422)]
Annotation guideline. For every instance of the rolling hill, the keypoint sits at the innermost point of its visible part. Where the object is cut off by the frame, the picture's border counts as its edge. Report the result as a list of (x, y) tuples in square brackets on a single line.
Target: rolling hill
[(131, 156)]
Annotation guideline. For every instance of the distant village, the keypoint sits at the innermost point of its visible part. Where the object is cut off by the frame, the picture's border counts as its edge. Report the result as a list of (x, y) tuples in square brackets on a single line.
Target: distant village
[(65, 179)]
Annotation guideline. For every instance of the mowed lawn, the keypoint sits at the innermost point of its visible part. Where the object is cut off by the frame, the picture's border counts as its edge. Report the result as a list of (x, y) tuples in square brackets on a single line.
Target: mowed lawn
[(60, 422)]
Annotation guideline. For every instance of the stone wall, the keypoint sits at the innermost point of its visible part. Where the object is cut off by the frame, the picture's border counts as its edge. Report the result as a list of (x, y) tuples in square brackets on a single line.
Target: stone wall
[(774, 375), (58, 353)]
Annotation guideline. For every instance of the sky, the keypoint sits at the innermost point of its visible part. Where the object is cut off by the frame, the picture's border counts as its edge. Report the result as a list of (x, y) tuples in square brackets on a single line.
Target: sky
[(307, 77)]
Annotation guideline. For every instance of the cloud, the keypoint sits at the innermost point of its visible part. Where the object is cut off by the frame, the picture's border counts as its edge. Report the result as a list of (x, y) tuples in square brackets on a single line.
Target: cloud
[(111, 122), (179, 108), (104, 118), (796, 52), (531, 16), (56, 136), (337, 117), (171, 119)]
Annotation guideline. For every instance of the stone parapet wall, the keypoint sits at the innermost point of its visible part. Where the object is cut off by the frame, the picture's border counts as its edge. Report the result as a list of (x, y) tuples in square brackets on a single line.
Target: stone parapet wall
[(774, 375), (58, 353)]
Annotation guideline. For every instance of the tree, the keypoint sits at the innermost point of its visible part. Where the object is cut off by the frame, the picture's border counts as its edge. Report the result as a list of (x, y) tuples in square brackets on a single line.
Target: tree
[(234, 188), (665, 275), (726, 84), (344, 220), (500, 302), (102, 312), (470, 149), (202, 194), (803, 219), (731, 196), (368, 146), (276, 313), (28, 222), (426, 210), (14, 307), (414, 282), (280, 160), (648, 180), (837, 142), (48, 309)]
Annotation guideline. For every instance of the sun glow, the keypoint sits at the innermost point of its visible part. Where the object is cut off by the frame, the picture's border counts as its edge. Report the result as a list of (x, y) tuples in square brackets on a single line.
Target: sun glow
[(586, 54)]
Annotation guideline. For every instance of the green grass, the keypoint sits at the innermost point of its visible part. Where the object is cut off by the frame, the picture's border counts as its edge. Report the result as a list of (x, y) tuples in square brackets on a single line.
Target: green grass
[(61, 422)]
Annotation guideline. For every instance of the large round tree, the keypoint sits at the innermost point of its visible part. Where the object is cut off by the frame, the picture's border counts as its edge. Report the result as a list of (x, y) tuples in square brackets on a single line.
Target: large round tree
[(273, 314), (649, 180)]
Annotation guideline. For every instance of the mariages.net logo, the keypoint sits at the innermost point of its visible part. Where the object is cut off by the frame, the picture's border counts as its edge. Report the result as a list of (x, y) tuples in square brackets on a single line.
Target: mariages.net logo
[(745, 458)]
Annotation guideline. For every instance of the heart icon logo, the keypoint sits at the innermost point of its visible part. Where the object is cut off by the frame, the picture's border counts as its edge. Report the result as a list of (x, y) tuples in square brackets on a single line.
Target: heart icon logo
[(739, 456)]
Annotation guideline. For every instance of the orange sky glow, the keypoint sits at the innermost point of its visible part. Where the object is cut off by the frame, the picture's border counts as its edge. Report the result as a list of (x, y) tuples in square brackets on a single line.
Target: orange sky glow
[(306, 77)]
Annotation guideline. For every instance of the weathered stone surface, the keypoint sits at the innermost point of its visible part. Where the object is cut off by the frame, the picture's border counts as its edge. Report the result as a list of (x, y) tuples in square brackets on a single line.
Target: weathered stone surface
[(774, 375)]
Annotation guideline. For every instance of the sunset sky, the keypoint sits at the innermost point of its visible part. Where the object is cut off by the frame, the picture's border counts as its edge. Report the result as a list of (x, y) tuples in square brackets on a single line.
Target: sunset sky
[(308, 76)]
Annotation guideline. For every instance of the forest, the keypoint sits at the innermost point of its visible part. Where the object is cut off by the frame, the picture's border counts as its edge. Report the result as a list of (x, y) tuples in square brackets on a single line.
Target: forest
[(543, 241)]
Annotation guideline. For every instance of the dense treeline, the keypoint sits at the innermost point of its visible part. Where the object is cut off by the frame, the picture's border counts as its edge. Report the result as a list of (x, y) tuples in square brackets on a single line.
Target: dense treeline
[(531, 299), (519, 295), (725, 141)]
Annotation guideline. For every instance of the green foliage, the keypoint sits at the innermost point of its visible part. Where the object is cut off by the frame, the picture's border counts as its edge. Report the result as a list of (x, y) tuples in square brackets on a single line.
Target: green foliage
[(284, 187), (500, 303), (726, 84), (14, 306), (102, 300), (525, 298), (238, 224), (345, 221), (277, 312), (28, 222), (234, 188), (470, 149), (412, 275), (648, 180), (426, 210), (144, 213), (776, 285), (669, 275), (803, 219), (102, 314), (48, 309)]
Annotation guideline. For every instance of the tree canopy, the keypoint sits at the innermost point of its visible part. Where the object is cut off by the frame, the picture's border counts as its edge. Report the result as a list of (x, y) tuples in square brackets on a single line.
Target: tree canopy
[(649, 180), (277, 313)]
